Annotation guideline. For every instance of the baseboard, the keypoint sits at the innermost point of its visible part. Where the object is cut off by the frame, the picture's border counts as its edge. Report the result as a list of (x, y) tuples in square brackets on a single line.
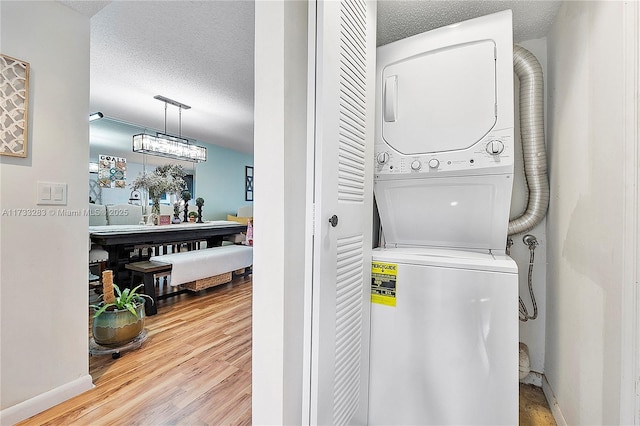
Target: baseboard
[(553, 402), (37, 404)]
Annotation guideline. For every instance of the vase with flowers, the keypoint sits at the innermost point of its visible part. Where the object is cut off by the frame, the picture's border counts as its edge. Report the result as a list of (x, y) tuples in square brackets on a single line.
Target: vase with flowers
[(168, 178)]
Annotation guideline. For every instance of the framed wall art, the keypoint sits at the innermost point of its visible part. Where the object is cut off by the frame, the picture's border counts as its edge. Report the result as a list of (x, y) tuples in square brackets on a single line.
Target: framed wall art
[(248, 183), (14, 92), (112, 172)]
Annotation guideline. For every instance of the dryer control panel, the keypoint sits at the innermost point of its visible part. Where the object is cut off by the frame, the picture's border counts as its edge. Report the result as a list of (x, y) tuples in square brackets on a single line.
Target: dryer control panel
[(494, 151)]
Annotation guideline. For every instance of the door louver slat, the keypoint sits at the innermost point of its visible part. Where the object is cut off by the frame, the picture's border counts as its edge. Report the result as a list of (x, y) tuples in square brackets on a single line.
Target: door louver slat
[(351, 161), (349, 292)]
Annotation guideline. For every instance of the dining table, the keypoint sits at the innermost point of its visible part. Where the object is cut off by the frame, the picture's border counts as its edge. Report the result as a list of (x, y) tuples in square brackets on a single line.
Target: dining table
[(131, 243)]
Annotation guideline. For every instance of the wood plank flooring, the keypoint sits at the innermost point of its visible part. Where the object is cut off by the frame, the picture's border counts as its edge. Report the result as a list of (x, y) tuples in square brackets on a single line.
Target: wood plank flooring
[(194, 368)]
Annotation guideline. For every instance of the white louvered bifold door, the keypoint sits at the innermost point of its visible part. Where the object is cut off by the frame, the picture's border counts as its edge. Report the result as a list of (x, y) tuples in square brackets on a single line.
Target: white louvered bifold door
[(344, 102)]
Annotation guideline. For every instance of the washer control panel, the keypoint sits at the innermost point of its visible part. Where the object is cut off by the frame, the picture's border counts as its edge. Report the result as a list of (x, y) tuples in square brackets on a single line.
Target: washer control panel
[(495, 150)]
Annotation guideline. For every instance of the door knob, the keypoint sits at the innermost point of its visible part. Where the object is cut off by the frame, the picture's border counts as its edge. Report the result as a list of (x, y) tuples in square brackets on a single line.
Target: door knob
[(333, 220)]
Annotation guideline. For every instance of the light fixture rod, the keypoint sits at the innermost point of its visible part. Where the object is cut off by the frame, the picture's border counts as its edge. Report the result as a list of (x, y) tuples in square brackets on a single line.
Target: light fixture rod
[(165, 117), (171, 101)]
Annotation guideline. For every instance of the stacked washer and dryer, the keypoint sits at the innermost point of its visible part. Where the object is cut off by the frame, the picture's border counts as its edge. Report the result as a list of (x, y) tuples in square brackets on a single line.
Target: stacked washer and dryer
[(444, 318)]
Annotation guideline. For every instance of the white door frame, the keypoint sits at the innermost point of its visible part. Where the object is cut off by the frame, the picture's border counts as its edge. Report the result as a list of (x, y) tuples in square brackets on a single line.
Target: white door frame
[(630, 344)]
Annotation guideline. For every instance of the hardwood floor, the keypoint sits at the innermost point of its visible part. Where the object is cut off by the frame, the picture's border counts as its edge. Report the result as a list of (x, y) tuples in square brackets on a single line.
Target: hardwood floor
[(194, 368)]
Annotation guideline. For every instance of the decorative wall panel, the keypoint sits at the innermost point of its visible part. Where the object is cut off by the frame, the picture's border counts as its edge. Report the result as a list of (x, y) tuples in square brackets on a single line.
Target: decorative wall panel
[(14, 106)]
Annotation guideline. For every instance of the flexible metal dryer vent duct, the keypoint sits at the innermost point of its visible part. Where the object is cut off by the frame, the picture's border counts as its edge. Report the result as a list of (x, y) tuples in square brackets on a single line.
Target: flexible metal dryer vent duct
[(529, 72)]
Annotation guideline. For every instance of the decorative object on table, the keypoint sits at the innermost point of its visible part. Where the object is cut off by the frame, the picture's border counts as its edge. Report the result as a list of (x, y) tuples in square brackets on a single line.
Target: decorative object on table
[(119, 318), (112, 171), (199, 204), (166, 145), (164, 219), (14, 75), (134, 198), (186, 196), (248, 183), (168, 178), (249, 240), (176, 212), (193, 216)]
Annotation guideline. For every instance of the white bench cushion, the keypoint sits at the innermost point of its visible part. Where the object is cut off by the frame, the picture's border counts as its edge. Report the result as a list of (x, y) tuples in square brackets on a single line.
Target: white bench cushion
[(198, 264)]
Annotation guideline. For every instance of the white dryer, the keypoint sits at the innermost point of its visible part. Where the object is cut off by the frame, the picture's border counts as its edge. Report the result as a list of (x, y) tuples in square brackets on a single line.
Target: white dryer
[(444, 136), (444, 324)]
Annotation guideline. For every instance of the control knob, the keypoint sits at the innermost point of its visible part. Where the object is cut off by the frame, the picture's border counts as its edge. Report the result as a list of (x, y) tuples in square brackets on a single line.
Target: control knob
[(495, 147), (382, 158), (416, 165), (434, 163)]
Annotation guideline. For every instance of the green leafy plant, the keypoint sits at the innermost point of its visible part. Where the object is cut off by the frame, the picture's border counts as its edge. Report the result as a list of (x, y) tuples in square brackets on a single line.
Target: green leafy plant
[(199, 201), (193, 214), (186, 195), (127, 299)]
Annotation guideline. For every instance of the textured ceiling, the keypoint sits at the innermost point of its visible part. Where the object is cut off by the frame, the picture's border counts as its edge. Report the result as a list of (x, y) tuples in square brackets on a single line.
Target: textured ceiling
[(197, 53), (200, 53), (401, 19)]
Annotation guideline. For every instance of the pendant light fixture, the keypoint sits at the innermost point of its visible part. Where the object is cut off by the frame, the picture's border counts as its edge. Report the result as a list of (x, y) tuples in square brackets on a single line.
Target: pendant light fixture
[(166, 145)]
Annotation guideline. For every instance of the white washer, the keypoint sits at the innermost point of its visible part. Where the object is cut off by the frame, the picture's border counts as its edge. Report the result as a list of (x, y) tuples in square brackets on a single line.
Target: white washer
[(444, 318), (447, 352)]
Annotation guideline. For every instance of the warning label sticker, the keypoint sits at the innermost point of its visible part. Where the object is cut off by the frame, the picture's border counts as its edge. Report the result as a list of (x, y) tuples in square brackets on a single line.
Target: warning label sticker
[(383, 283)]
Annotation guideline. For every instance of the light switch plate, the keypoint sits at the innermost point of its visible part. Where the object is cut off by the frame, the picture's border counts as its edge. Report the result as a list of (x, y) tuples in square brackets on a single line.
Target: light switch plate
[(51, 194), (44, 192)]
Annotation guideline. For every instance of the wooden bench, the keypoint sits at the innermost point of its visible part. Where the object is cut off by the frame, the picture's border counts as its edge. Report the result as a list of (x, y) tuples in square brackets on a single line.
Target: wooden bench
[(235, 260)]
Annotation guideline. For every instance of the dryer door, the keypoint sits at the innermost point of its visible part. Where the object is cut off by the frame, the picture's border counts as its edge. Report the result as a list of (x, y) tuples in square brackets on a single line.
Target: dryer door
[(440, 100), (455, 212)]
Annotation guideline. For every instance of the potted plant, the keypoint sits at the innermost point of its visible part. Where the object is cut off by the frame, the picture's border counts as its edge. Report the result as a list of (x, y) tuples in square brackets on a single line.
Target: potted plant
[(199, 204), (119, 318), (193, 216)]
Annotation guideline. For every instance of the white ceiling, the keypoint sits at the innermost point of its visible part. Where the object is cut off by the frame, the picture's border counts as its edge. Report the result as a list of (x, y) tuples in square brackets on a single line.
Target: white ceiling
[(200, 53), (400, 19)]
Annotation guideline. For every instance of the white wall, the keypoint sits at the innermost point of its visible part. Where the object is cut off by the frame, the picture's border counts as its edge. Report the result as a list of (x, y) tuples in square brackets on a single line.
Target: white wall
[(280, 205), (532, 332), (585, 225), (43, 276)]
